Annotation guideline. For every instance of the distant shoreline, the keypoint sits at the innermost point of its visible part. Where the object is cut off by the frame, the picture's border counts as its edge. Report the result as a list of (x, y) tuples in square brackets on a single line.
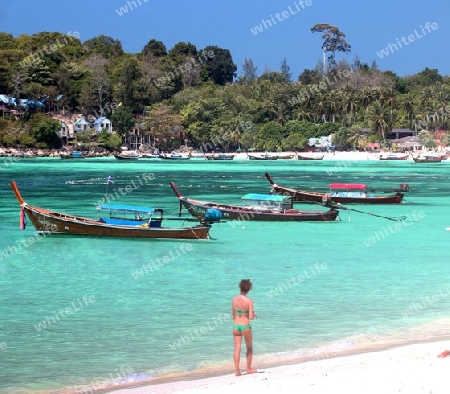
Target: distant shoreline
[(334, 156)]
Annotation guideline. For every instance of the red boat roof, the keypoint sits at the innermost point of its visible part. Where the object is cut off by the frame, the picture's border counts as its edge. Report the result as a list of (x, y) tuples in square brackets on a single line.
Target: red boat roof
[(352, 186)]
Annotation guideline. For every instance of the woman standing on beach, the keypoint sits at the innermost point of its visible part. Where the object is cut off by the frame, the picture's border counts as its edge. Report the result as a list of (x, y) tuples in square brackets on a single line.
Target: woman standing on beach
[(242, 312)]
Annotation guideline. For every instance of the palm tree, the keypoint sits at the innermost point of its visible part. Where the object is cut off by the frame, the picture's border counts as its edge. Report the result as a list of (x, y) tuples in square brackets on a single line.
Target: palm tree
[(378, 116), (389, 98), (357, 139), (442, 99), (410, 108), (334, 105), (320, 105), (420, 122), (303, 114), (433, 115), (234, 138), (349, 105), (426, 98), (366, 97)]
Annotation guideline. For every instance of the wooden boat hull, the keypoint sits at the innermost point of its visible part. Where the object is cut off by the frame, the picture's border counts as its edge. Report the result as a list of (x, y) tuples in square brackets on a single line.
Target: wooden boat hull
[(427, 160), (220, 157), (254, 157), (318, 197), (68, 157), (233, 212), (174, 157), (394, 157), (50, 222), (129, 158), (72, 158), (301, 157)]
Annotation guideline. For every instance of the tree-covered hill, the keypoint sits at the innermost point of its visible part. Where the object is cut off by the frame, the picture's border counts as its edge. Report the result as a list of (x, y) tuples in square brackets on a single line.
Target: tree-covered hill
[(189, 93)]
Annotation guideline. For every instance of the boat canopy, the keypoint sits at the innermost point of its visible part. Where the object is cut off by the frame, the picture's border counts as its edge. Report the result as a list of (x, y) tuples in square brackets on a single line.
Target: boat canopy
[(266, 197), (127, 208), (348, 186)]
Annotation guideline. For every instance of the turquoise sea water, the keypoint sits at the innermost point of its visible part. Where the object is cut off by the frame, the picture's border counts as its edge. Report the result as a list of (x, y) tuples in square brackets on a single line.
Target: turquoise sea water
[(320, 289)]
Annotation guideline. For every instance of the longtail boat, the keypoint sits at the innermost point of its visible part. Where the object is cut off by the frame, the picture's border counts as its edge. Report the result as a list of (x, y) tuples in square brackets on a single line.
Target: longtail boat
[(286, 156), (220, 156), (309, 157), (127, 155), (125, 221), (265, 156), (174, 156), (344, 193), (73, 155), (263, 207), (428, 159), (394, 156)]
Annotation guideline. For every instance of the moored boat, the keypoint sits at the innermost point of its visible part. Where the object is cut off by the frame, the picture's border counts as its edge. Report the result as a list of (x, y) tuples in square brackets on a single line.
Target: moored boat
[(265, 156), (220, 156), (127, 155), (286, 156), (120, 221), (174, 156), (149, 155), (340, 193), (309, 157), (262, 207), (73, 155), (428, 158), (394, 156)]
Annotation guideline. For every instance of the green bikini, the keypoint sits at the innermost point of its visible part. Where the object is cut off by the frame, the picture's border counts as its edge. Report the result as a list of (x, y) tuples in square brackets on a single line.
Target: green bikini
[(241, 327)]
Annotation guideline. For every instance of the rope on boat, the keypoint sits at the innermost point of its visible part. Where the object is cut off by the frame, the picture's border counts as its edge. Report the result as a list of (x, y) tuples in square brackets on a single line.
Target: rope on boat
[(394, 219), (192, 229)]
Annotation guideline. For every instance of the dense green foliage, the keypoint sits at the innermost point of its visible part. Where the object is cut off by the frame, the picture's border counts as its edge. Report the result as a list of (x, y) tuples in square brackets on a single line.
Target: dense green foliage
[(190, 94), (123, 120)]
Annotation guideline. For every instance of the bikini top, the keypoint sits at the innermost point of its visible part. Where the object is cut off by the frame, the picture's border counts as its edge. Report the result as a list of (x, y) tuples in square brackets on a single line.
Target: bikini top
[(240, 312)]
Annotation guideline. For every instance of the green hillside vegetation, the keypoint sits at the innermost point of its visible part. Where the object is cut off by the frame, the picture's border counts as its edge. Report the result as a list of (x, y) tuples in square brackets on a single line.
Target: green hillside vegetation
[(187, 93)]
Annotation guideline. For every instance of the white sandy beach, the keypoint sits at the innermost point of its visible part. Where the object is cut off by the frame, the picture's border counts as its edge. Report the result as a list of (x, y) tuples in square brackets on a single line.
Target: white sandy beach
[(410, 369)]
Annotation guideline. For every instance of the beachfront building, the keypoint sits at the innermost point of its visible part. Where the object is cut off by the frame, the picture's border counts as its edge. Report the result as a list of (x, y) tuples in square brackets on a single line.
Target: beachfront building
[(396, 134), (12, 104), (4, 104), (102, 123), (81, 125), (137, 137), (321, 144), (408, 144), (9, 107), (65, 133), (374, 147)]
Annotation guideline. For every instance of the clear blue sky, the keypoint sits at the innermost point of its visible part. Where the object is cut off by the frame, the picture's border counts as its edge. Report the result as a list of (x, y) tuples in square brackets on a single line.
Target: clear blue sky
[(369, 27)]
